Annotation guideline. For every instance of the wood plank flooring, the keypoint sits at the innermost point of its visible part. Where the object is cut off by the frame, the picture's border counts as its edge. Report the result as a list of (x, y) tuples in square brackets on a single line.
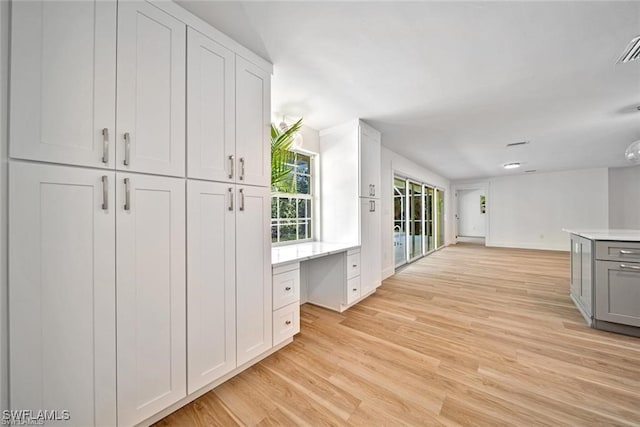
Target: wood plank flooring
[(466, 336)]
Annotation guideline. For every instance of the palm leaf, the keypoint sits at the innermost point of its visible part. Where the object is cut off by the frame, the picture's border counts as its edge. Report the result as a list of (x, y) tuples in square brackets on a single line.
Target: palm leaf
[(282, 158)]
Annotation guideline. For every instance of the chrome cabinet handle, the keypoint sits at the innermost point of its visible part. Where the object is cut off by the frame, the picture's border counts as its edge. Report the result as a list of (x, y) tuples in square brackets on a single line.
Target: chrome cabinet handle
[(630, 267), (628, 252), (105, 192), (127, 148), (355, 265), (288, 288), (241, 168), (230, 198), (105, 145), (288, 322), (373, 204), (231, 162), (127, 194), (373, 186), (355, 289), (241, 199)]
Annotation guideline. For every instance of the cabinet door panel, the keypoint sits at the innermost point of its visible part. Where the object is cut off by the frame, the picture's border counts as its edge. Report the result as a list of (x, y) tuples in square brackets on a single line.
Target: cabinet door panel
[(253, 119), (576, 268), (211, 284), (618, 292), (370, 251), (150, 237), (253, 272), (63, 81), (211, 107), (151, 90), (62, 292), (586, 281), (369, 163)]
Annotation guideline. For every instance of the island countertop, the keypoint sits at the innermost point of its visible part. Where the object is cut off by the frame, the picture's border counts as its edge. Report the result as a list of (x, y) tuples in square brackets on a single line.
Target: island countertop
[(620, 235)]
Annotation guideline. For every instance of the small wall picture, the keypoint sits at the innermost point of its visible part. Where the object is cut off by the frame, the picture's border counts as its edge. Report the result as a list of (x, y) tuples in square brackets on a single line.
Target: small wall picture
[(483, 204)]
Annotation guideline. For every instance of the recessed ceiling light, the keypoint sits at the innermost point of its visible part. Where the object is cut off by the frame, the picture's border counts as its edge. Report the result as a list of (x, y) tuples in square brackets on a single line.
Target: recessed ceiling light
[(631, 52), (513, 165), (515, 144)]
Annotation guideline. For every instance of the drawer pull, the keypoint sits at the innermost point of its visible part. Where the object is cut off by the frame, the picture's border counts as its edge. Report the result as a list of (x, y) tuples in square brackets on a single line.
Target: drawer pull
[(630, 267), (628, 252), (288, 322), (288, 288), (355, 289), (355, 265)]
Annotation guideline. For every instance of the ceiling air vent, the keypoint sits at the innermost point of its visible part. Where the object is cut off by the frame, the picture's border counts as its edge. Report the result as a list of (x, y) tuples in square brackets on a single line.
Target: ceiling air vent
[(515, 144), (631, 52), (530, 171)]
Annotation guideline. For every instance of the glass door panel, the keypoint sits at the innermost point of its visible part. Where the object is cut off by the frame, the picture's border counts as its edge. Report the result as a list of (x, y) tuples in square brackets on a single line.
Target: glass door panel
[(415, 220), (429, 219), (399, 221), (440, 218)]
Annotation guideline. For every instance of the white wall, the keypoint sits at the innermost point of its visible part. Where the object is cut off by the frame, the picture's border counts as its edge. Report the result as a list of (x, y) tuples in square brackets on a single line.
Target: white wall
[(530, 211), (4, 62), (471, 222), (624, 197), (393, 163)]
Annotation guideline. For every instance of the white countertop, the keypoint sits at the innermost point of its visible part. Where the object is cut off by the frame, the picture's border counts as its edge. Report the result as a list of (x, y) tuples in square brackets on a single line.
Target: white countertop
[(304, 251), (608, 234)]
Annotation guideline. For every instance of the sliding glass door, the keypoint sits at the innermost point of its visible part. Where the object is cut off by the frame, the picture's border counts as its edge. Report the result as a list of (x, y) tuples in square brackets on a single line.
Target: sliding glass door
[(399, 221), (416, 219), (439, 218), (429, 243)]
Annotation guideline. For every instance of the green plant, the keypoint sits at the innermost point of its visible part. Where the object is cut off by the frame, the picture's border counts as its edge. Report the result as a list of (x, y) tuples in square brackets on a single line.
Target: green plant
[(281, 158)]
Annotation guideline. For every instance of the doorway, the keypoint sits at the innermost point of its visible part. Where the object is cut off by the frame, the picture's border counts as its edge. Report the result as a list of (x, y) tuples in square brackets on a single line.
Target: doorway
[(472, 210)]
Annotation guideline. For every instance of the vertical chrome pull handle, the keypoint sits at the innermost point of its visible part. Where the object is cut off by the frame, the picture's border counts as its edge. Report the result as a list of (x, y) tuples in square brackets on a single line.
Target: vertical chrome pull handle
[(231, 162), (241, 168), (241, 199), (105, 145), (373, 190), (127, 148), (127, 194), (105, 192), (230, 198)]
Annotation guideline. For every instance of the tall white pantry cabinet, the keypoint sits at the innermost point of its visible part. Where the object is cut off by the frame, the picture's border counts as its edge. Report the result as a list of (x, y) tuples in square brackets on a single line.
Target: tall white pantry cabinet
[(140, 263)]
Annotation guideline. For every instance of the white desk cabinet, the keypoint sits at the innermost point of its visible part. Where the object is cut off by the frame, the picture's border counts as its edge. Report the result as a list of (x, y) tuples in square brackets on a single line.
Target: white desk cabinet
[(62, 296), (63, 82)]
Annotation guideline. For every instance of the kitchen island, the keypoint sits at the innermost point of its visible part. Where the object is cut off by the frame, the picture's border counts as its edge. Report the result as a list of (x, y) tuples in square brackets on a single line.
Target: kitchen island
[(605, 278)]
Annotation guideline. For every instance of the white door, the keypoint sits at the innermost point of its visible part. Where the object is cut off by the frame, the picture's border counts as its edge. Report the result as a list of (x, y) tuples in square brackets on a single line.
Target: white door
[(63, 81), (253, 121), (211, 282), (369, 165), (62, 291), (151, 90), (211, 106), (253, 272), (370, 240), (151, 288)]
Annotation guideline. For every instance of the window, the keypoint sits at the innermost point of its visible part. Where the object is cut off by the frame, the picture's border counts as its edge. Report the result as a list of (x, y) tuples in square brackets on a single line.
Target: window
[(292, 202)]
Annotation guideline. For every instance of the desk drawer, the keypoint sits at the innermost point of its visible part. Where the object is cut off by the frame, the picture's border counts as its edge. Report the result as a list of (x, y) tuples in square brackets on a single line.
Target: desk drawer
[(286, 322), (618, 251), (286, 288), (353, 265), (353, 289)]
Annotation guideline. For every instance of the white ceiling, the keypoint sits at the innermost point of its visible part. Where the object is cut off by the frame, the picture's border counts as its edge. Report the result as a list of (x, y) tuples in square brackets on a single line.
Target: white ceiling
[(449, 84)]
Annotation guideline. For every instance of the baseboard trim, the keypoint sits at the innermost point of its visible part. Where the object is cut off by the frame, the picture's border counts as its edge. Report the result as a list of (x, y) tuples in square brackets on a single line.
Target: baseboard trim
[(535, 246)]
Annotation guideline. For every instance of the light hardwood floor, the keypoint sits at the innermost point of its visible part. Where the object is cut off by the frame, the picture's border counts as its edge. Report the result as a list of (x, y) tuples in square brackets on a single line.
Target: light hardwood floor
[(466, 336)]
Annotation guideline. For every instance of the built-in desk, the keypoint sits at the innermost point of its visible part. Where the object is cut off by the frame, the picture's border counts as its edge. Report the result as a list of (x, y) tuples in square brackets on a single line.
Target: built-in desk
[(327, 274)]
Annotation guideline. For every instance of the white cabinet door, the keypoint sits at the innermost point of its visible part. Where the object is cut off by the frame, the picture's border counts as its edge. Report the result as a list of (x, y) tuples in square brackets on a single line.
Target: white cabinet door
[(211, 109), (63, 76), (253, 121), (151, 288), (211, 282), (370, 251), (253, 272), (369, 163), (151, 90), (62, 291)]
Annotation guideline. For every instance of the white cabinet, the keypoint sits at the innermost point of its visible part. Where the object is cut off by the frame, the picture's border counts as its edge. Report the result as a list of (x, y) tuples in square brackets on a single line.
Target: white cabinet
[(253, 272), (63, 82), (151, 90), (62, 291), (369, 161), (150, 236), (581, 285), (253, 124), (211, 109), (211, 283), (370, 250)]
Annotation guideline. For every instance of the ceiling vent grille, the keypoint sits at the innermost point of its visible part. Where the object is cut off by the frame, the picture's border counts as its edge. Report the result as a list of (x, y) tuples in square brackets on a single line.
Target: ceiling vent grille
[(631, 52), (515, 144)]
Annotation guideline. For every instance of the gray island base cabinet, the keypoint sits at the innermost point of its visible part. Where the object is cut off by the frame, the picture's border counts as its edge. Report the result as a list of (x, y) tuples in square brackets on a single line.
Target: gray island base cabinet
[(605, 279)]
